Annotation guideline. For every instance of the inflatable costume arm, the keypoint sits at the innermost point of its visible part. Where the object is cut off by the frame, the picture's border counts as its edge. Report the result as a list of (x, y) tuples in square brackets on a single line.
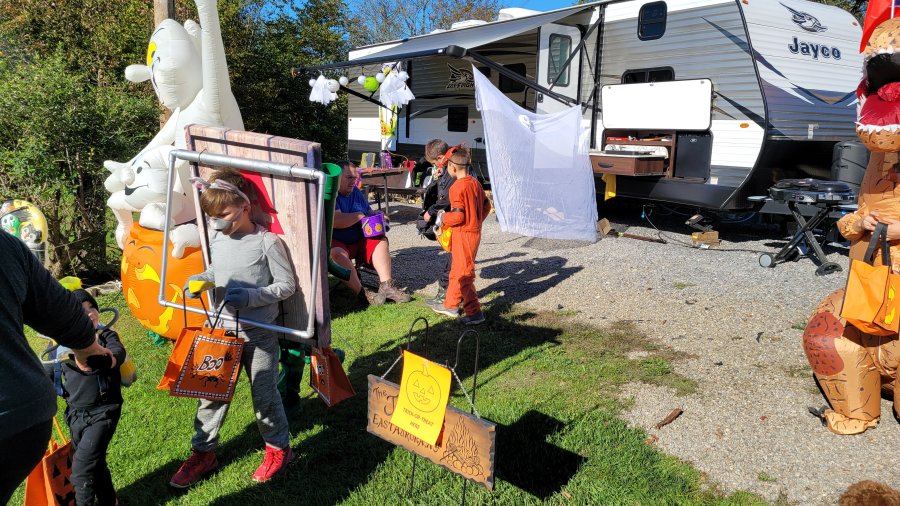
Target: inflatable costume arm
[(847, 224)]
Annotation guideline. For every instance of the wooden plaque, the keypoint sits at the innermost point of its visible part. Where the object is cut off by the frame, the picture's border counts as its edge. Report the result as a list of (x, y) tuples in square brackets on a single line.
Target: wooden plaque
[(294, 203), (466, 446)]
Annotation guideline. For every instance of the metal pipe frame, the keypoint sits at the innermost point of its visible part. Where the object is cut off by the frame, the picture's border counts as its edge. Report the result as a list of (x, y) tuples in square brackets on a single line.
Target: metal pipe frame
[(264, 167)]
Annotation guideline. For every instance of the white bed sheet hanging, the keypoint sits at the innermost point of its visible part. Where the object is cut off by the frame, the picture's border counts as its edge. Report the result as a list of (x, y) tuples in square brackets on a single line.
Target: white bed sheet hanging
[(539, 167)]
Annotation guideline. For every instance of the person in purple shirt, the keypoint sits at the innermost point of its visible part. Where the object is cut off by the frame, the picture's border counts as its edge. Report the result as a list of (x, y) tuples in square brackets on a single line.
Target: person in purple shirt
[(348, 242)]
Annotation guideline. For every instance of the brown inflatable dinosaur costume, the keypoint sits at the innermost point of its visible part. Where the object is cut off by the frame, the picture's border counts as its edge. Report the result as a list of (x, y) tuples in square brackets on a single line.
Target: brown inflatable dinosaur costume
[(852, 367)]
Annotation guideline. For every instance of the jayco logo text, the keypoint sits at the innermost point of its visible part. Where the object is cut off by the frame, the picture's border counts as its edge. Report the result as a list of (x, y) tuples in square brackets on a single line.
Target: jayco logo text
[(814, 50)]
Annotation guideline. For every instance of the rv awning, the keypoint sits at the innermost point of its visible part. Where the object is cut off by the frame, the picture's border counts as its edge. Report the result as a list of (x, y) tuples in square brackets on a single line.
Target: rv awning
[(434, 44)]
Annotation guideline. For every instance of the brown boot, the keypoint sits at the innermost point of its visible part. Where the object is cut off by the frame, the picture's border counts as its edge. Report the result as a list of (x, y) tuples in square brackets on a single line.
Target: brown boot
[(390, 291), (367, 297)]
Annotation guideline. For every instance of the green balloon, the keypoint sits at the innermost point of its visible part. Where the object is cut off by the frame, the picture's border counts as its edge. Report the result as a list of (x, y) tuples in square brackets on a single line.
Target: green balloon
[(371, 84)]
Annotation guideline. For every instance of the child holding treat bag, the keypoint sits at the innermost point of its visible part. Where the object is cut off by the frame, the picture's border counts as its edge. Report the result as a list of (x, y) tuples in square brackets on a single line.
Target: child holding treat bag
[(469, 207), (252, 273)]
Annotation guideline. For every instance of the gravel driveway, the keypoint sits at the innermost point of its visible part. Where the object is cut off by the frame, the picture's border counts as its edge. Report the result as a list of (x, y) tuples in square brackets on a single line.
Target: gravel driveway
[(747, 427)]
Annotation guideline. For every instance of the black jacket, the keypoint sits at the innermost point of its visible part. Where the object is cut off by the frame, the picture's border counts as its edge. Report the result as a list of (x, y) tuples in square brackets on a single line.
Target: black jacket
[(439, 190), (29, 295), (85, 390)]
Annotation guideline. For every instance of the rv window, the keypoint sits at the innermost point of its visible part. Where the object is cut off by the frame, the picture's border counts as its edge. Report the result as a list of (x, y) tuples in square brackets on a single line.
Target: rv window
[(458, 119), (634, 76), (652, 21), (660, 75), (654, 75), (560, 47), (507, 85)]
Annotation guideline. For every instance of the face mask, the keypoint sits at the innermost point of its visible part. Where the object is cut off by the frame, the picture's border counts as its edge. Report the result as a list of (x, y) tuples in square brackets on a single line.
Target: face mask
[(221, 224)]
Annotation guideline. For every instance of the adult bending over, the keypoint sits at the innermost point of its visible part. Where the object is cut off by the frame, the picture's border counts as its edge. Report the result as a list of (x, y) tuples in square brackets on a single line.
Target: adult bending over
[(29, 295)]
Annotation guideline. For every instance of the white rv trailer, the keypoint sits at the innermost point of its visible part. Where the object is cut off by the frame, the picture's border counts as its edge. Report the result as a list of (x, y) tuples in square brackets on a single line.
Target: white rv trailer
[(738, 93)]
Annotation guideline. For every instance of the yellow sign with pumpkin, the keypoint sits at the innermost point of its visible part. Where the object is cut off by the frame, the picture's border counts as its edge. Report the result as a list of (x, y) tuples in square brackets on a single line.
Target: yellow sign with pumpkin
[(422, 403)]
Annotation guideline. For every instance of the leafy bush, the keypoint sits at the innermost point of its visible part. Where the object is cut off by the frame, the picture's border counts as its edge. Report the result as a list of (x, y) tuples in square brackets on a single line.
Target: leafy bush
[(56, 129)]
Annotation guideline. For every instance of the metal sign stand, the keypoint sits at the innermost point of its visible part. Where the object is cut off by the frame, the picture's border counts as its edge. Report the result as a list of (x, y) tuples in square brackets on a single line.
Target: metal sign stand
[(470, 399)]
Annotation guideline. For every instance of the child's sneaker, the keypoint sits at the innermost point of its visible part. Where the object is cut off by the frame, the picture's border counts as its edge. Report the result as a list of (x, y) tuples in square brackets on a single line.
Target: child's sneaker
[(438, 298), (273, 463), (198, 465), (474, 319), (446, 311)]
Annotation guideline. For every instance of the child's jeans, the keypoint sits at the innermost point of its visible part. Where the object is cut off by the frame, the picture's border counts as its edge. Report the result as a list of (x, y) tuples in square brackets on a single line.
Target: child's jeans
[(260, 362), (92, 430)]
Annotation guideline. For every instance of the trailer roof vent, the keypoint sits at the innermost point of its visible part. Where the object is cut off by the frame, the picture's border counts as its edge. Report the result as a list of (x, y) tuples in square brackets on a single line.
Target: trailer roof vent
[(515, 12), (467, 23)]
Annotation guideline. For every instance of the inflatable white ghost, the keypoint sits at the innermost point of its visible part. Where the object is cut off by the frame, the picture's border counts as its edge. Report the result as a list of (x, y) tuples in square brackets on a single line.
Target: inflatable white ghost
[(188, 70)]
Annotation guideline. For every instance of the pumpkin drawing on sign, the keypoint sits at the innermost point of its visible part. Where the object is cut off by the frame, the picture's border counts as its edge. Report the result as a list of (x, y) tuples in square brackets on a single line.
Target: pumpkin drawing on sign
[(423, 391)]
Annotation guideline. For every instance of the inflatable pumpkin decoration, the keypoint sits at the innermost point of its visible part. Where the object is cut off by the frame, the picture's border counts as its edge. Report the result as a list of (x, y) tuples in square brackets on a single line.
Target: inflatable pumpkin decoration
[(852, 367), (141, 275)]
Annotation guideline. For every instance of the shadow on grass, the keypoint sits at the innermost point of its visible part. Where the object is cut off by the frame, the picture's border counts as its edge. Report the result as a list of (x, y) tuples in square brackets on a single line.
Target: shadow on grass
[(343, 444), (526, 460)]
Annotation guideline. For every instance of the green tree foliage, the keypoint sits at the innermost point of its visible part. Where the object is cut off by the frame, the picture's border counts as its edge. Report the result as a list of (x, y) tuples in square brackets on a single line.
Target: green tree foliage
[(264, 39), (374, 21), (65, 110), (855, 7), (67, 106)]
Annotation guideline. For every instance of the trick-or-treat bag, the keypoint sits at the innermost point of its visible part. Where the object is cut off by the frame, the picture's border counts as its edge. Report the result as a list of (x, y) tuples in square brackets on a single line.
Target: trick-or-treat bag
[(870, 299), (205, 363), (327, 376), (49, 483)]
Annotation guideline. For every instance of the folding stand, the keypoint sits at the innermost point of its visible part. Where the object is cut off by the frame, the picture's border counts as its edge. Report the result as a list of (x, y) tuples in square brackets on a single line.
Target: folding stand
[(805, 234)]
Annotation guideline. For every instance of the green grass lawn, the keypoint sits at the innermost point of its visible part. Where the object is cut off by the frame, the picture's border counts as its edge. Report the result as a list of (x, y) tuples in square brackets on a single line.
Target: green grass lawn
[(548, 383)]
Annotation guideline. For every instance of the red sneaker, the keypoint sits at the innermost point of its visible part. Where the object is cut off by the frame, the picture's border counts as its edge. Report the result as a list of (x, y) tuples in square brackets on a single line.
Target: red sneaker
[(198, 465), (273, 463)]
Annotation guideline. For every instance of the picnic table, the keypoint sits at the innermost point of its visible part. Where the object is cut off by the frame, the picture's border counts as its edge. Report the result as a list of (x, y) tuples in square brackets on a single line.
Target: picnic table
[(397, 176)]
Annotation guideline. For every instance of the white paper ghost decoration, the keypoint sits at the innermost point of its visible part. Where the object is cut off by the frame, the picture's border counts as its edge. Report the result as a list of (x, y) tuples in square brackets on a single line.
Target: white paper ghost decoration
[(394, 91), (320, 92), (189, 73), (332, 85)]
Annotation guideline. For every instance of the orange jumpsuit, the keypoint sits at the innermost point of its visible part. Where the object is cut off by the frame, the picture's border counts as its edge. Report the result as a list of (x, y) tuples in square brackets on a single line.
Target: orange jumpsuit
[(468, 209)]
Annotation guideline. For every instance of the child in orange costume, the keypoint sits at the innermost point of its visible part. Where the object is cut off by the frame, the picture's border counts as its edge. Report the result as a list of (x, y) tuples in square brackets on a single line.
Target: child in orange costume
[(468, 209)]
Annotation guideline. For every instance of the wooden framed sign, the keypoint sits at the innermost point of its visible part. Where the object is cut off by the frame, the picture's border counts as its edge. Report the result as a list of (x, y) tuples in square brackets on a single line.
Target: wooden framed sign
[(466, 446)]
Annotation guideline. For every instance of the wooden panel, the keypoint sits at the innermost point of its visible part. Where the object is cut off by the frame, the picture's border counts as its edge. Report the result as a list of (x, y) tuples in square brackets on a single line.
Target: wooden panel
[(628, 165), (467, 444), (294, 202)]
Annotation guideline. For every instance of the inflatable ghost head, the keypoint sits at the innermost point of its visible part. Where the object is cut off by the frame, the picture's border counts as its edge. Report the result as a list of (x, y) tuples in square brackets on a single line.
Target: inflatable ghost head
[(173, 64), (187, 67)]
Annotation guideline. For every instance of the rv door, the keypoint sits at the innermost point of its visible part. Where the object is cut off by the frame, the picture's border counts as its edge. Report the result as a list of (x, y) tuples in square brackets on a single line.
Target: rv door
[(555, 45)]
